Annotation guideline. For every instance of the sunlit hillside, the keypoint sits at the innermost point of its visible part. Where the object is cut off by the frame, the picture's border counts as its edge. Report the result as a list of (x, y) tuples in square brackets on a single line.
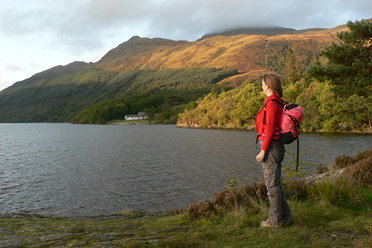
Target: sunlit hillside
[(333, 91), (246, 53)]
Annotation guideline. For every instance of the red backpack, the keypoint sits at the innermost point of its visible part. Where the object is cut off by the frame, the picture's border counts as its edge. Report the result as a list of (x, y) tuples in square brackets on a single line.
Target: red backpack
[(290, 124), (291, 120)]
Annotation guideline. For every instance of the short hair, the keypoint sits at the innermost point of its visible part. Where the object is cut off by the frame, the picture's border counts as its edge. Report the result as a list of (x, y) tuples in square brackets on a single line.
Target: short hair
[(274, 82)]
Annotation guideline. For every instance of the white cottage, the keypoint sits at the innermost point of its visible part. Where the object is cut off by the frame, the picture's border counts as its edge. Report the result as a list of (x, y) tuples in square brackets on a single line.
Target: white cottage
[(138, 116), (131, 117)]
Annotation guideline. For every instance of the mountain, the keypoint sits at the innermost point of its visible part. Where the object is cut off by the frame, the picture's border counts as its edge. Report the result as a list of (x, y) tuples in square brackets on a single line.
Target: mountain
[(269, 31), (175, 72), (134, 52)]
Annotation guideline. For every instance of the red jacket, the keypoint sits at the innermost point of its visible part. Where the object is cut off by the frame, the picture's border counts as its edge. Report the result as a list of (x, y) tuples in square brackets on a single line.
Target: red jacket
[(268, 121)]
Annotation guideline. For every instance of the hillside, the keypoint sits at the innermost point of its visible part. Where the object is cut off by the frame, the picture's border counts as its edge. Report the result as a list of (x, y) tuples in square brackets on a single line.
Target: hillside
[(246, 53), (61, 97), (269, 31), (135, 52), (60, 93), (242, 52)]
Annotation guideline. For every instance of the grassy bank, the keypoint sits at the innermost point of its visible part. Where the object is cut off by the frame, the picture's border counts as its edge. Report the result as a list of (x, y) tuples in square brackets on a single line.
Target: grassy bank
[(334, 211)]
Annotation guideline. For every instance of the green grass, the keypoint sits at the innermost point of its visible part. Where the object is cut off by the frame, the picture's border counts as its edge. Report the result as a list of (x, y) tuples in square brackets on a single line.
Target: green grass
[(318, 223)]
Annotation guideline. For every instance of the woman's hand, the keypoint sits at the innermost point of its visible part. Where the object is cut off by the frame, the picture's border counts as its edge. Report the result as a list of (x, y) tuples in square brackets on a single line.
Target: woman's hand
[(260, 157)]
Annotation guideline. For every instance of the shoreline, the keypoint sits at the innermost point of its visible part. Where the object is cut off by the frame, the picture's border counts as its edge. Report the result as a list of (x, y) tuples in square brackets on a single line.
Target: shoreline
[(134, 214), (252, 128)]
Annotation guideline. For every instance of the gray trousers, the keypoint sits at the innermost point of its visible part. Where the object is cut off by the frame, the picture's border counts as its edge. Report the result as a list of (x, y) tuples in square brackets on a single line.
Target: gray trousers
[(279, 211)]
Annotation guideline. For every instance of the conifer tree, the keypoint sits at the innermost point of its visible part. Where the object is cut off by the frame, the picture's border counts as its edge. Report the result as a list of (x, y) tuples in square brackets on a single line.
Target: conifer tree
[(349, 63), (292, 68)]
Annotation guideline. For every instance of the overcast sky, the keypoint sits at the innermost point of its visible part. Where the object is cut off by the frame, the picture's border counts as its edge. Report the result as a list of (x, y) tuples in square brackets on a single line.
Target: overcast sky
[(38, 34)]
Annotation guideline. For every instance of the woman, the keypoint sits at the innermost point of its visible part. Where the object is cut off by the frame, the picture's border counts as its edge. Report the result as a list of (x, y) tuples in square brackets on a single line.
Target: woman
[(272, 151)]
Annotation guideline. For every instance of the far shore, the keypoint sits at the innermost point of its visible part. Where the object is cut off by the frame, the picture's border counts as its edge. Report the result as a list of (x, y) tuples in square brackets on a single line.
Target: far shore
[(253, 128), (250, 128)]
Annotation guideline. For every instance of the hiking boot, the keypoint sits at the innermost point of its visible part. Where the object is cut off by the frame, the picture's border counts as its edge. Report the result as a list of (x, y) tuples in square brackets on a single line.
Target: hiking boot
[(265, 223), (287, 223)]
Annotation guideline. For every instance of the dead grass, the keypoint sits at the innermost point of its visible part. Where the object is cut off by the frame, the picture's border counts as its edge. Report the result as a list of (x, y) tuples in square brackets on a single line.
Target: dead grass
[(358, 169), (297, 190), (320, 169), (201, 209), (364, 154), (347, 161), (250, 197), (360, 172), (343, 161)]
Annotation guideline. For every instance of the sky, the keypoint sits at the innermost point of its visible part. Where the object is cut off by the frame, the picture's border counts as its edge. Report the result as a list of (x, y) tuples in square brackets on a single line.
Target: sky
[(36, 35)]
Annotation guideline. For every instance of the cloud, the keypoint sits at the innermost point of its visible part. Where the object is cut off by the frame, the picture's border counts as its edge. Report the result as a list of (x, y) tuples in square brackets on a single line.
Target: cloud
[(2, 79), (88, 24), (4, 82), (12, 67), (61, 31)]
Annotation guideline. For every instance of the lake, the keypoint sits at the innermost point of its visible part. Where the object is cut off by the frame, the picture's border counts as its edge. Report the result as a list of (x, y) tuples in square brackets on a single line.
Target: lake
[(81, 170)]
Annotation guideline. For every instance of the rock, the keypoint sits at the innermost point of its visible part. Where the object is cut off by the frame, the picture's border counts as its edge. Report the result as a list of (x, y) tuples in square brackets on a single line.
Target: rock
[(333, 174)]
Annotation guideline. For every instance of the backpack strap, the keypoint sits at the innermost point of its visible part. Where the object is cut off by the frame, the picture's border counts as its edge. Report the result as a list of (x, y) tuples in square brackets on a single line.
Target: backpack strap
[(274, 100), (279, 102), (264, 109)]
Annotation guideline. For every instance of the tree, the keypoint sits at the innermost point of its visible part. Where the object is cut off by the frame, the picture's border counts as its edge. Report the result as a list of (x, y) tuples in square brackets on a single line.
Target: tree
[(329, 112), (292, 68), (349, 63)]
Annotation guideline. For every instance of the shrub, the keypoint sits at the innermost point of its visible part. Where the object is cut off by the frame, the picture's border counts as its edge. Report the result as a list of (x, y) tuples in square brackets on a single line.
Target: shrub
[(364, 154), (346, 161), (248, 196), (360, 172), (297, 189), (201, 209), (320, 169), (342, 162), (228, 199)]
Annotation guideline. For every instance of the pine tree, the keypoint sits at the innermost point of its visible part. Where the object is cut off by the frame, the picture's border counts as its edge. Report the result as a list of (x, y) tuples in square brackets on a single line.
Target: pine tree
[(292, 68), (349, 63)]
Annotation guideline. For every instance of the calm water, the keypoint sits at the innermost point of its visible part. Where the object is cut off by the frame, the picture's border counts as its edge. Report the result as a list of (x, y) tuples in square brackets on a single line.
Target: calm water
[(76, 170)]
